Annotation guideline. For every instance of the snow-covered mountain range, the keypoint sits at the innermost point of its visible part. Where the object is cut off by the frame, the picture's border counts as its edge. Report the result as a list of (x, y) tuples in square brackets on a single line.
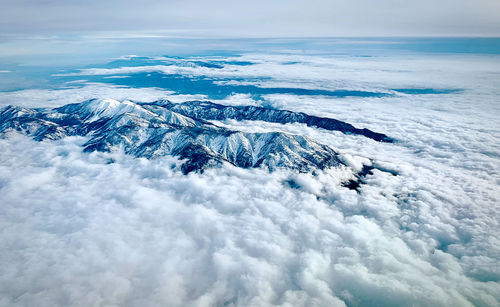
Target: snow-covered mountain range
[(164, 128)]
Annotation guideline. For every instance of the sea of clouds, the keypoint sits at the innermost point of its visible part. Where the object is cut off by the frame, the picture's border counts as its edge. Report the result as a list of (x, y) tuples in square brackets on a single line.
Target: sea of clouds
[(109, 229)]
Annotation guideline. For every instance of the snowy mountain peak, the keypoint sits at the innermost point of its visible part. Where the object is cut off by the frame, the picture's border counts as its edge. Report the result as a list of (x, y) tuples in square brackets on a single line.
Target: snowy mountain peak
[(163, 128)]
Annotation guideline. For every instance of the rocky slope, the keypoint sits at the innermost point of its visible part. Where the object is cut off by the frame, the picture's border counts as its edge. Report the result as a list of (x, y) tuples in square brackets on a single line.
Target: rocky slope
[(163, 128)]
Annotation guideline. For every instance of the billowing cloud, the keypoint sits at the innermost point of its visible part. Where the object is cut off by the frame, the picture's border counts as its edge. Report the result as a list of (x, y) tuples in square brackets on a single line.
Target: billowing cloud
[(79, 230), (109, 229)]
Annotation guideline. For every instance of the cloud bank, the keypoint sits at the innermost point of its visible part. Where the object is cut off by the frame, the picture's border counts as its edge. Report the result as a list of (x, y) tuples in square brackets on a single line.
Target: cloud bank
[(107, 229), (135, 232), (40, 98)]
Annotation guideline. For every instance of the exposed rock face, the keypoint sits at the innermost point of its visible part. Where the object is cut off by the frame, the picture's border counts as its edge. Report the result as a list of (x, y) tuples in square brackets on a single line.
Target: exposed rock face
[(211, 111), (162, 128)]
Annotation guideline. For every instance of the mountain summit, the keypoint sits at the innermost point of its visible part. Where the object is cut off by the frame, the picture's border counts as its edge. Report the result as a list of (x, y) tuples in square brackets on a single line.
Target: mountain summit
[(164, 128)]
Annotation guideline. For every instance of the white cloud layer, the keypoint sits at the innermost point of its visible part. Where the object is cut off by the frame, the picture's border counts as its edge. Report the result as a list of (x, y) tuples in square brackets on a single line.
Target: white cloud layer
[(80, 231), (36, 98), (328, 72), (107, 229)]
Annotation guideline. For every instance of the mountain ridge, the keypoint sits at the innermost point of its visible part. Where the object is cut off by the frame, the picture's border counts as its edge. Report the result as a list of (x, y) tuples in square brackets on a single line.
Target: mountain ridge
[(162, 128)]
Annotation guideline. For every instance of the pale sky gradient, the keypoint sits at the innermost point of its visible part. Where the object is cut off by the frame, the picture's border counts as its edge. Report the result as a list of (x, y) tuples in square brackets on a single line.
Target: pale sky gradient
[(259, 18)]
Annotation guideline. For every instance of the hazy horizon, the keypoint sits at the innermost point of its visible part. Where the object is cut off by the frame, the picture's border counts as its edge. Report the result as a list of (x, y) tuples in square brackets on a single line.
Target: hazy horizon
[(223, 18)]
